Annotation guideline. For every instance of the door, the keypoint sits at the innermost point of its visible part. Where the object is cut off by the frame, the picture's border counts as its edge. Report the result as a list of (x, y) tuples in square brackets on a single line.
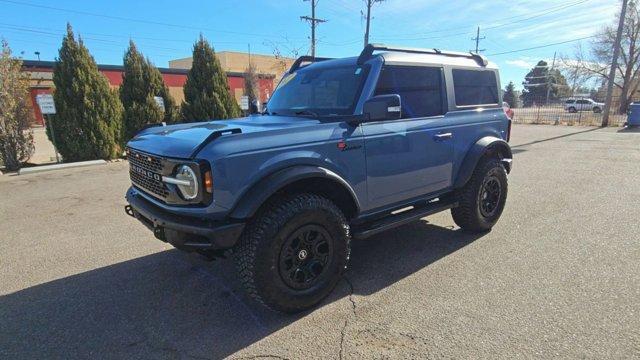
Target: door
[(583, 105), (412, 156)]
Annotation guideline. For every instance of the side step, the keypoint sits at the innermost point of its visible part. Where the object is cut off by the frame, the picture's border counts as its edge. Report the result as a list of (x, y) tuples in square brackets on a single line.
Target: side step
[(369, 229)]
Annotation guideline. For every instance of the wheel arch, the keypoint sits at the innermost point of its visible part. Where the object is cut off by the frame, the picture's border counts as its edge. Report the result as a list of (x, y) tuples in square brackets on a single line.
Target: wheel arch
[(298, 179), (488, 145)]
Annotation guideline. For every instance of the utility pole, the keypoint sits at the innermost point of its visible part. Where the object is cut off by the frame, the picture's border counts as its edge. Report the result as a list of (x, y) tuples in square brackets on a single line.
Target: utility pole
[(477, 40), (553, 64), (313, 21), (369, 4), (614, 65)]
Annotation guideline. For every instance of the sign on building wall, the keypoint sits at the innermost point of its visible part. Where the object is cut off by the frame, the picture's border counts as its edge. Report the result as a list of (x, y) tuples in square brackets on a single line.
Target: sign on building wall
[(244, 102), (46, 104), (160, 101)]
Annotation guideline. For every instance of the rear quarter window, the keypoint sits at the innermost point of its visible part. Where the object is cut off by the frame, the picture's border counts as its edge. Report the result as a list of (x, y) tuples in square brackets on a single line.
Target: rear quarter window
[(473, 87), (420, 89)]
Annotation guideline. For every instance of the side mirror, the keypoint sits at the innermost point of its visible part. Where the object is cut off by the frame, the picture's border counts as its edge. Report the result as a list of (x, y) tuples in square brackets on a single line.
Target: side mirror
[(382, 107)]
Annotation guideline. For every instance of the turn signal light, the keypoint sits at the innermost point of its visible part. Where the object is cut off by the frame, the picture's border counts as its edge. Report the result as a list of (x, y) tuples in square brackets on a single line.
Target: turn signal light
[(208, 182)]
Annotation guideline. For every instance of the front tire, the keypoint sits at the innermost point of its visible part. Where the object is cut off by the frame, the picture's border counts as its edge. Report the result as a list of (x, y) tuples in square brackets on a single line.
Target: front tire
[(597, 110), (294, 252), (482, 199)]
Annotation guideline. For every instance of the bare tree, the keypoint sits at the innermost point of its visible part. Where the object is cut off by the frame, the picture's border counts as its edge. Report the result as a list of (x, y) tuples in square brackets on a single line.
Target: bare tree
[(283, 51), (16, 114), (573, 70), (597, 62), (251, 84)]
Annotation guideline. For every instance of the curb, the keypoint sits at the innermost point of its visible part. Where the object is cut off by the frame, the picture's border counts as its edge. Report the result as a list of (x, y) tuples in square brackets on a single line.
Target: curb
[(37, 169)]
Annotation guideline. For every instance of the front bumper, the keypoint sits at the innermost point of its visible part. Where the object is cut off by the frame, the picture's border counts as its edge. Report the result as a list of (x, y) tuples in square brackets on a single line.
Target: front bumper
[(184, 232)]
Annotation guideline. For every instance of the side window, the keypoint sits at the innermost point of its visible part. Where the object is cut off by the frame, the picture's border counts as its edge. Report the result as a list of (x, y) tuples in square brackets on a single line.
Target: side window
[(583, 102), (474, 87), (569, 101), (419, 87)]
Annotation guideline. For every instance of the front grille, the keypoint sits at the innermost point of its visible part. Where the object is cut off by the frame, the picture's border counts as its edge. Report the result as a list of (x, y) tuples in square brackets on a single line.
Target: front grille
[(146, 173)]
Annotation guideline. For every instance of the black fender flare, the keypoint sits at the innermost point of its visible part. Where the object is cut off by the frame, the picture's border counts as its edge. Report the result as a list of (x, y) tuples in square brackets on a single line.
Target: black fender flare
[(476, 152), (259, 192)]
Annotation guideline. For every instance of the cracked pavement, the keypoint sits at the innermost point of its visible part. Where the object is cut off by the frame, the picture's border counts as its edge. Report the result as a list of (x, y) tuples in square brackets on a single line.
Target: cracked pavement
[(557, 277)]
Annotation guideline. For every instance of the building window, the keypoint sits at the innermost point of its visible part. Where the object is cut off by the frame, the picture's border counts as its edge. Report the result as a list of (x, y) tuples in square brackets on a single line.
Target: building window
[(473, 87), (419, 87)]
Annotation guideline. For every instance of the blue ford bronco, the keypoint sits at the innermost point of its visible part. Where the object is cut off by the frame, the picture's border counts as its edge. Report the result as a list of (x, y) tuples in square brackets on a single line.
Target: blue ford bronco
[(346, 148)]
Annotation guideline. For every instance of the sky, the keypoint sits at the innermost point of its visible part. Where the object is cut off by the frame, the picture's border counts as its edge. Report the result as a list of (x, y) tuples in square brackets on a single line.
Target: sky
[(165, 30)]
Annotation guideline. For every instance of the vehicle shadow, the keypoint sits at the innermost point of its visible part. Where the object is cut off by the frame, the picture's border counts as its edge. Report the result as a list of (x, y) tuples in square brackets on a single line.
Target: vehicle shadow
[(630, 129), (169, 304), (516, 146)]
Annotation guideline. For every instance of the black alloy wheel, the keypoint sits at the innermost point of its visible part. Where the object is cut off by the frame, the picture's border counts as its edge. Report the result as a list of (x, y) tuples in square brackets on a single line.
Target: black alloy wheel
[(489, 196), (304, 256)]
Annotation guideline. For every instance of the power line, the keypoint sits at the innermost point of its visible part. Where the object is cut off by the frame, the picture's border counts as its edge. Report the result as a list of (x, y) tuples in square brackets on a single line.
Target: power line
[(542, 46), (536, 15), (142, 21), (134, 37), (559, 8)]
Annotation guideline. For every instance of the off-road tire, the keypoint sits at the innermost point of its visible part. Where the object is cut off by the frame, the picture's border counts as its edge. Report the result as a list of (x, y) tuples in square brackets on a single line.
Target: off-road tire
[(468, 214), (258, 252)]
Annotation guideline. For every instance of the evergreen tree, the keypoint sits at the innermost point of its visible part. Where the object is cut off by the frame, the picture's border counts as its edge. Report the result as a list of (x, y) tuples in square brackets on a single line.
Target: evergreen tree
[(89, 114), (538, 80), (16, 114), (510, 95), (141, 81), (206, 91)]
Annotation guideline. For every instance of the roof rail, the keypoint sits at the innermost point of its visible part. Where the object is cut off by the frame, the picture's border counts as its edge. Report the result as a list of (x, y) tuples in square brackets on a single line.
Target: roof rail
[(368, 50), (305, 59)]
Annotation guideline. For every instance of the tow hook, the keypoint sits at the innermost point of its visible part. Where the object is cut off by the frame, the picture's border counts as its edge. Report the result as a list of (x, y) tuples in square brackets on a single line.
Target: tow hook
[(129, 210)]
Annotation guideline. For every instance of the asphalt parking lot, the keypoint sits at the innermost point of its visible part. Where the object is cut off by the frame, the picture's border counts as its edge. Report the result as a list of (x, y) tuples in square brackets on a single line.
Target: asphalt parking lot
[(559, 276)]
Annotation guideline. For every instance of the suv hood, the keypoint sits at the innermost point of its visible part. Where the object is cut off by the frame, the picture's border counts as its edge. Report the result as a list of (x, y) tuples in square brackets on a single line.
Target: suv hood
[(182, 140)]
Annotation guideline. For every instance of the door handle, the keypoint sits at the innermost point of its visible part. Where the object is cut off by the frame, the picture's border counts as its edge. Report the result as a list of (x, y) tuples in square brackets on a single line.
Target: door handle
[(443, 136)]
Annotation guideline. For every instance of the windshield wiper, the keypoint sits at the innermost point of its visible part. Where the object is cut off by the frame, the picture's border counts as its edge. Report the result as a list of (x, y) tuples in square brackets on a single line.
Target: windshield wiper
[(307, 113)]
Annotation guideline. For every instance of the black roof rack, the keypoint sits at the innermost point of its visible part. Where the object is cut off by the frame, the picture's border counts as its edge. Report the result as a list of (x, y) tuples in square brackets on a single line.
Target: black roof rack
[(368, 50), (305, 59)]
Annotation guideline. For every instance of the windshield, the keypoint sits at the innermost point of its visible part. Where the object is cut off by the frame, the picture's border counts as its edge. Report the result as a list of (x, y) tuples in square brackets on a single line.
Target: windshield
[(319, 92)]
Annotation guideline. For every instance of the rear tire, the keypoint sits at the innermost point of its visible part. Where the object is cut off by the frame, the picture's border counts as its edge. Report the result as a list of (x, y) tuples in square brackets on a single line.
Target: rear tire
[(294, 252), (482, 199), (572, 110)]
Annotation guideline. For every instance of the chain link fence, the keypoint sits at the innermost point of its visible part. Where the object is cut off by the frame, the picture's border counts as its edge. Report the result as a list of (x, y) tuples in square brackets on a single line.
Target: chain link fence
[(568, 111)]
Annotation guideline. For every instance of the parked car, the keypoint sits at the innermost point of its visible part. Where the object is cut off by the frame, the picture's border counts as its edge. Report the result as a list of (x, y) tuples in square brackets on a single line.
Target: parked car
[(507, 109), (575, 105), (342, 147)]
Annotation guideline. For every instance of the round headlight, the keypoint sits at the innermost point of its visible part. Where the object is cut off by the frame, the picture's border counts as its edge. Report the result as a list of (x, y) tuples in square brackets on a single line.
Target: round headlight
[(189, 192)]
